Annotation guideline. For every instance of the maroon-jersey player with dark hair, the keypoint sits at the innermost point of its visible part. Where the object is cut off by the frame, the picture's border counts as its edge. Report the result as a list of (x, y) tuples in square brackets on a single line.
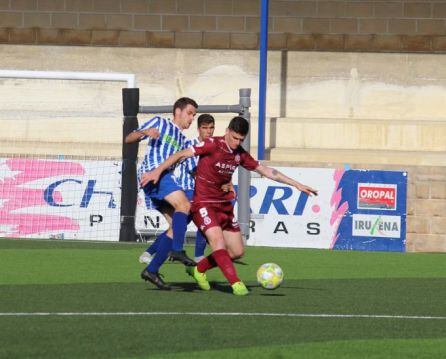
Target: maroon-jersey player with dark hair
[(212, 209)]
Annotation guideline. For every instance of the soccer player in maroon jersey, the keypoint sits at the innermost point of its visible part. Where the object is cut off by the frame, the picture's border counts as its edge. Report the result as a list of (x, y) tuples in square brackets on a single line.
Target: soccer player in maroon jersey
[(212, 209)]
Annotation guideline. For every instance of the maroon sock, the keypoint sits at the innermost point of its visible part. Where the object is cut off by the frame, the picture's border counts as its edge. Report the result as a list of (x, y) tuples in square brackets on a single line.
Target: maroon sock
[(225, 264), (206, 264)]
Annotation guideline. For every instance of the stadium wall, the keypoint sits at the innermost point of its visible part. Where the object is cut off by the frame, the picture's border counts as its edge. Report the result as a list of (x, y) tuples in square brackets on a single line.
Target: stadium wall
[(309, 25)]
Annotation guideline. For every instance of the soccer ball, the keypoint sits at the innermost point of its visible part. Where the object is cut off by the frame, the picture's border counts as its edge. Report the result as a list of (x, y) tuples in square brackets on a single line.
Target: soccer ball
[(269, 275)]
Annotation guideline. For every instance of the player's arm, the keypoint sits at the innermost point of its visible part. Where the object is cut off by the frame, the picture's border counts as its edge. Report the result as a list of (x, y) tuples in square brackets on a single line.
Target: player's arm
[(278, 176), (138, 135), (153, 176)]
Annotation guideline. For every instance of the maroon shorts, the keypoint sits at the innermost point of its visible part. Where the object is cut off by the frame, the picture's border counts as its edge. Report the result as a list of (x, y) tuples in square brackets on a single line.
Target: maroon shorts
[(207, 215)]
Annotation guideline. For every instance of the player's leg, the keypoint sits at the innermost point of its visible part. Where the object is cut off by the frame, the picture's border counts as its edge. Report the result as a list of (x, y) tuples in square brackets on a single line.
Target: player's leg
[(200, 246), (151, 272), (180, 203)]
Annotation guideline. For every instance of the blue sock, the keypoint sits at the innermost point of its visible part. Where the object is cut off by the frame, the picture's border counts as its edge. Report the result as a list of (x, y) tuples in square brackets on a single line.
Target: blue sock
[(179, 227), (200, 244), (154, 246), (164, 247)]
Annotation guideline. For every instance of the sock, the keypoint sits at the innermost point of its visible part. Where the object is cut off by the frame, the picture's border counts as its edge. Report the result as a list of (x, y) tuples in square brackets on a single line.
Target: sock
[(206, 264), (225, 264), (164, 247), (200, 244), (179, 227), (154, 246)]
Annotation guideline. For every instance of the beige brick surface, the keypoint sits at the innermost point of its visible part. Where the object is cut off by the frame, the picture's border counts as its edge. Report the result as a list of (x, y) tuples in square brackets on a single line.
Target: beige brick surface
[(175, 22), (107, 6), (372, 26), (277, 41), (431, 27), (218, 7), (23, 5), (231, 23), (105, 37), (135, 6), (64, 20), (4, 4), (439, 10), (51, 5), (425, 242), (386, 9), (358, 42), (420, 225), (11, 19), (4, 35), (387, 43), (402, 26), (147, 22), (132, 38), (438, 190), (161, 38), (92, 21), (79, 5), (162, 6), (247, 7), (253, 23), (439, 43), (316, 26), (49, 36), (418, 10), (359, 9), (293, 8), (244, 41), (430, 207), (344, 26), (329, 42), (22, 36), (194, 7), (300, 42), (203, 23), (331, 9), (288, 24), (36, 19), (438, 225), (119, 21), (422, 190), (188, 40), (216, 40), (76, 37), (416, 43)]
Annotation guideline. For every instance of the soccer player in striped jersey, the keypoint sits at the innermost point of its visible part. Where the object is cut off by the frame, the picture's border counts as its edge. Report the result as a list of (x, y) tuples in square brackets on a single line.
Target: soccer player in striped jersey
[(185, 172), (212, 209), (165, 137)]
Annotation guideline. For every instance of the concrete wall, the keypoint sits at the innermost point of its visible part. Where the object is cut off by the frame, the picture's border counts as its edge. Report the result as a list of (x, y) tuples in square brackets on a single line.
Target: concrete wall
[(342, 25)]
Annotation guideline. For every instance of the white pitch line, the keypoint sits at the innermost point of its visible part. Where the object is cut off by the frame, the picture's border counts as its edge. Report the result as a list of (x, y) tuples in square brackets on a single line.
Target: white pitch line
[(295, 315)]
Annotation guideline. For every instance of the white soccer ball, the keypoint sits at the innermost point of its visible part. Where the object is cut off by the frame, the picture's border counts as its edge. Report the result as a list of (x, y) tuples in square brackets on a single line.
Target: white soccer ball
[(270, 275)]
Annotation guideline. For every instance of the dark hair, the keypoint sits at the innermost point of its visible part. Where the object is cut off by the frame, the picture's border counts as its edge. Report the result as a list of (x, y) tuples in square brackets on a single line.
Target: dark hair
[(239, 125), (205, 119), (182, 102)]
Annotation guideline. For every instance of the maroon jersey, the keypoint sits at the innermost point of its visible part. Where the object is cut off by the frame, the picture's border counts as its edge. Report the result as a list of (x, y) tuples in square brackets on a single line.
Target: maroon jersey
[(216, 165)]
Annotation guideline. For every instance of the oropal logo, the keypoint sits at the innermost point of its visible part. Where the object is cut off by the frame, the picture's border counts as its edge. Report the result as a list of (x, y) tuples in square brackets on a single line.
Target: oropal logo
[(377, 196), (364, 225)]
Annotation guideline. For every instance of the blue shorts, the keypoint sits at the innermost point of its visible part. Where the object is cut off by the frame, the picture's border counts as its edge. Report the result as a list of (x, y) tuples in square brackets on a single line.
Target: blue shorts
[(189, 194), (155, 194)]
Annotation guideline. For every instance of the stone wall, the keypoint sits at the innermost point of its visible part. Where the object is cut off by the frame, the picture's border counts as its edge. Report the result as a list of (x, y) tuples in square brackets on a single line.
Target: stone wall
[(344, 25)]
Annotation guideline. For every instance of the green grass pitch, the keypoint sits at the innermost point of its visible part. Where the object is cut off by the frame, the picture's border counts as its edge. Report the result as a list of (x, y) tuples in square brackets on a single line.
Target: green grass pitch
[(332, 304)]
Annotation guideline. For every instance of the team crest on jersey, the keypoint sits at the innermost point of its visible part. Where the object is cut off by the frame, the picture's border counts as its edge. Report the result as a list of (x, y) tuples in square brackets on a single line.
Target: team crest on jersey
[(237, 158)]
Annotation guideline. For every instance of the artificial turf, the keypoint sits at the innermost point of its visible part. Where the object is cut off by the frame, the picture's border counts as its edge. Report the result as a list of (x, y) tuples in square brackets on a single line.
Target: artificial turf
[(83, 278)]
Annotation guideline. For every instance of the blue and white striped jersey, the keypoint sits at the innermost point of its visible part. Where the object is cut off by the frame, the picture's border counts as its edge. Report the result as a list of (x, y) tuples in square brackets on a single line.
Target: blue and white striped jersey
[(171, 140), (183, 172)]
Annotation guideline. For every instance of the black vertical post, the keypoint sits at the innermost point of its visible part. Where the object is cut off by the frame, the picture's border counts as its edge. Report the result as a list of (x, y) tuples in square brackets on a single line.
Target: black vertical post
[(129, 185)]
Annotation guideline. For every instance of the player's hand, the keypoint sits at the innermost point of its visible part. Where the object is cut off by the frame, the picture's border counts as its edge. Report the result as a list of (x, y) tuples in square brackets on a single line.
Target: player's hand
[(229, 188), (151, 132), (152, 176), (306, 189)]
